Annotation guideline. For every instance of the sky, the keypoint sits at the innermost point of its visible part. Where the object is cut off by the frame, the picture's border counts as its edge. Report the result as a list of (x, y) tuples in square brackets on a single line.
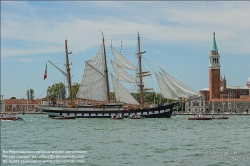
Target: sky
[(176, 35)]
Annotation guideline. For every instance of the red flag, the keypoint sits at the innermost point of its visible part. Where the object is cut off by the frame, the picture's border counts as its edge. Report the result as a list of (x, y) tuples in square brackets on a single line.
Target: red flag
[(45, 73)]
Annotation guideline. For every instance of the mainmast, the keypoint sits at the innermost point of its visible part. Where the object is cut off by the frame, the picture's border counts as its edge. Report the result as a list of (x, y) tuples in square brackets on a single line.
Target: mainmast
[(68, 72), (141, 73), (105, 67), (141, 85)]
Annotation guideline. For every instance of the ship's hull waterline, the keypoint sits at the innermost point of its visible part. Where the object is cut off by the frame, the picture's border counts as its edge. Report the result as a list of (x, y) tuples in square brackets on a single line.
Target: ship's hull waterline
[(81, 112)]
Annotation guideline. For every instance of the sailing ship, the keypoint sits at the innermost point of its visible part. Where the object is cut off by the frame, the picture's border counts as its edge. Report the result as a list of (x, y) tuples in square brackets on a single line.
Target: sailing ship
[(95, 87)]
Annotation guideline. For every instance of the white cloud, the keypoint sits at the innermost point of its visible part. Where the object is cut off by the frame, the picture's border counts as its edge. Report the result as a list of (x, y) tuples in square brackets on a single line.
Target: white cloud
[(157, 22)]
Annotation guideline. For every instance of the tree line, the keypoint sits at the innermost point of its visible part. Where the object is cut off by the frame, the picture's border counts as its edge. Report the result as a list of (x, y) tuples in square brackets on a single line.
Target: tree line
[(58, 91)]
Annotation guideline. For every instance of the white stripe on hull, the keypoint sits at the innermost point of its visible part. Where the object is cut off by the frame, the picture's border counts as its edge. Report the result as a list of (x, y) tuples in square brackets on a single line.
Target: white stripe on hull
[(103, 114), (81, 109)]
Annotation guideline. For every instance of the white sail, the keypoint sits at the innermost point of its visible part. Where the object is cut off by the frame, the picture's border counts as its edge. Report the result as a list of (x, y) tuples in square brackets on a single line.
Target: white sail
[(120, 74), (179, 85), (93, 86), (121, 94), (173, 88), (98, 60), (166, 91), (121, 61)]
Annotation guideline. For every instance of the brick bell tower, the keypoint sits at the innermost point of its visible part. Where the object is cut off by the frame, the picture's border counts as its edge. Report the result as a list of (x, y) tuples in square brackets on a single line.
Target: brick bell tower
[(214, 72)]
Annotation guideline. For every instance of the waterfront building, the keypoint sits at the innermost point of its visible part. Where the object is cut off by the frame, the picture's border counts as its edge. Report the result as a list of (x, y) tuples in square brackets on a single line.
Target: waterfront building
[(2, 104), (219, 97), (21, 105)]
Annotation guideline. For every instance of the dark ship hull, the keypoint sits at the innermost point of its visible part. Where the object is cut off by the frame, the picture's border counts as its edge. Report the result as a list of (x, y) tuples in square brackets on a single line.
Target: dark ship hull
[(164, 111)]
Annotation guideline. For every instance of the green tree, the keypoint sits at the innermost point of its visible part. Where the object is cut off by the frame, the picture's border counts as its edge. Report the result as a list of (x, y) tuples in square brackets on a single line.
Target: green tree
[(151, 97), (75, 88), (13, 98), (28, 94), (57, 91), (31, 93)]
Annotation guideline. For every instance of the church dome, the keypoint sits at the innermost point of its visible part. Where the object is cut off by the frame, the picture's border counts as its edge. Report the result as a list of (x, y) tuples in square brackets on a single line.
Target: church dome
[(248, 81)]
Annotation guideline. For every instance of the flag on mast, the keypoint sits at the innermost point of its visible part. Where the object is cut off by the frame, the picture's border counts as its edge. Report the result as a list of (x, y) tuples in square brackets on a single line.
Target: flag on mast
[(45, 73)]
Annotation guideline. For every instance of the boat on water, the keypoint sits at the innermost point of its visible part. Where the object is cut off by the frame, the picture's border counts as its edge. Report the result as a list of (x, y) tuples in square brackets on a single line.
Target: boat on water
[(136, 117), (117, 117), (10, 118), (200, 117), (95, 86), (222, 117), (63, 117)]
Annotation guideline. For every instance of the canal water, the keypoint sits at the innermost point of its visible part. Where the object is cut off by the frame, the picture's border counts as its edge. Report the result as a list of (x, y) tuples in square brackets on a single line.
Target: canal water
[(39, 140)]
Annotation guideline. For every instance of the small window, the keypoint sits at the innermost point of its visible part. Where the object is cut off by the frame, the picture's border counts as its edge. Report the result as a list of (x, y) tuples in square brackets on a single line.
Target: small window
[(7, 107)]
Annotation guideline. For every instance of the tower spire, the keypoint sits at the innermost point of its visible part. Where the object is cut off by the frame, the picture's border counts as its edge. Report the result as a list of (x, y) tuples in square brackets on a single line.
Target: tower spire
[(214, 46)]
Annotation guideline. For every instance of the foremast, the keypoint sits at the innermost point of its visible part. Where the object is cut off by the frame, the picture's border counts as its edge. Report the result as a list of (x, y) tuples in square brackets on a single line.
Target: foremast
[(141, 74), (105, 68), (68, 73)]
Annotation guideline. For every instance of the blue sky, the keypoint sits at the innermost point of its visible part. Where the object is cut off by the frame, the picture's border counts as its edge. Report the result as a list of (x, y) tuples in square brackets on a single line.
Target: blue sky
[(176, 35)]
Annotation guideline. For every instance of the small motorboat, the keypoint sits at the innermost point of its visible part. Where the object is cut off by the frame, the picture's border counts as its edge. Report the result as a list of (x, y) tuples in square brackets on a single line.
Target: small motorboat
[(11, 118), (117, 117), (136, 117), (222, 117), (64, 117), (200, 117)]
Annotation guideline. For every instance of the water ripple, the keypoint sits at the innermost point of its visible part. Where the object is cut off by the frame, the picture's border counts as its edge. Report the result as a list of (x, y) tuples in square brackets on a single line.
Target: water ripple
[(174, 142)]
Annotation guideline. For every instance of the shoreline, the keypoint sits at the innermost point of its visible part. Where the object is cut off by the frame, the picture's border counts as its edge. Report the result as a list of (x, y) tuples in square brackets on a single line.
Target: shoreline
[(215, 114), (22, 113), (192, 114)]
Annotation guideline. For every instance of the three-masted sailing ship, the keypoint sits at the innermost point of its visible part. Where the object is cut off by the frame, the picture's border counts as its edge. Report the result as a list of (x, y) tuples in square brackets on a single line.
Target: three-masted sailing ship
[(95, 87)]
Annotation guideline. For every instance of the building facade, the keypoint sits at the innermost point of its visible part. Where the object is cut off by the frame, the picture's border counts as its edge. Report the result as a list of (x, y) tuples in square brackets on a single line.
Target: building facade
[(21, 105), (2, 104), (219, 97)]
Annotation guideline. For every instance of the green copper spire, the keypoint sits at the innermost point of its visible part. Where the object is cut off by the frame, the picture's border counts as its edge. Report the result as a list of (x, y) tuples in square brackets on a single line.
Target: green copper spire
[(214, 46)]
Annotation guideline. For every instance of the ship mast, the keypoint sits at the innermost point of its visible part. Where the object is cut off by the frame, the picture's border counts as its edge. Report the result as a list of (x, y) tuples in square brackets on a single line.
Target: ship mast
[(141, 85), (105, 68), (141, 73), (68, 72)]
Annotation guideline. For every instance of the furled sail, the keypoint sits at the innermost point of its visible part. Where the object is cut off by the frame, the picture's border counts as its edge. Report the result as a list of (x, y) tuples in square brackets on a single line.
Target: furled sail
[(121, 94), (122, 75), (93, 84), (166, 91), (179, 85), (121, 61)]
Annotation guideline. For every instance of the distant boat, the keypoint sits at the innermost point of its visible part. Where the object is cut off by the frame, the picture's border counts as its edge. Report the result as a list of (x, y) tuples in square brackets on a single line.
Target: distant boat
[(117, 117), (136, 117), (10, 118), (95, 88), (200, 117), (222, 117), (63, 117)]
